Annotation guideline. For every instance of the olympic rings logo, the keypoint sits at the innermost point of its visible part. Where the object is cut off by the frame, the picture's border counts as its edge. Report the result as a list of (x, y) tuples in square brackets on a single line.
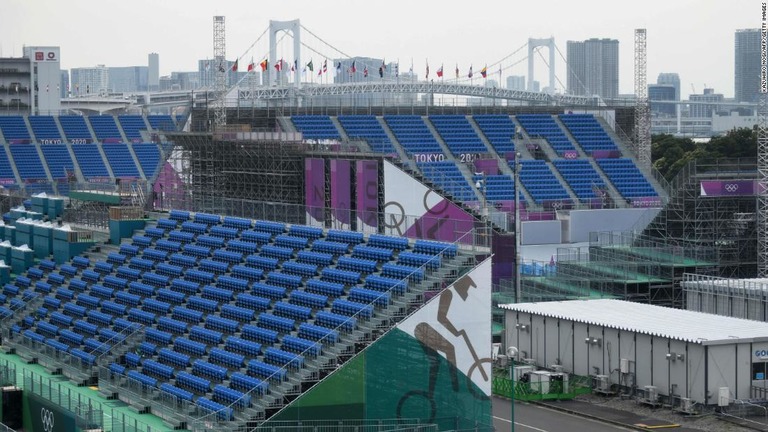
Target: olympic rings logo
[(731, 187), (47, 418)]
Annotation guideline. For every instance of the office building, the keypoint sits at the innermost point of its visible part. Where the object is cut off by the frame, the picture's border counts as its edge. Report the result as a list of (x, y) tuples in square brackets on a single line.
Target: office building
[(64, 86), (703, 109), (516, 82), (747, 65), (31, 84), (593, 67), (128, 79), (670, 78), (153, 71), (662, 92), (89, 81)]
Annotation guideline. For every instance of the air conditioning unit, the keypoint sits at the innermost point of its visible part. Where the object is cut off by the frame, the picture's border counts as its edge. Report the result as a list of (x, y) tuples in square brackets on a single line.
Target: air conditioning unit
[(521, 373), (502, 360), (650, 395), (556, 368), (624, 366), (601, 384), (529, 361), (687, 405)]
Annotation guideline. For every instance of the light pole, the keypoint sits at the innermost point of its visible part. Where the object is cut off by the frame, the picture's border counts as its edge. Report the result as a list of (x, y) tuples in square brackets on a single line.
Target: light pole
[(511, 354), (518, 233)]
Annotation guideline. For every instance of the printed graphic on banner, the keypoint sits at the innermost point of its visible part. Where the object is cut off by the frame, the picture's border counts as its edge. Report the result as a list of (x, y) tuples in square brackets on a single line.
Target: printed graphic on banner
[(456, 326), (42, 415), (314, 187), (716, 188), (341, 193), (367, 194)]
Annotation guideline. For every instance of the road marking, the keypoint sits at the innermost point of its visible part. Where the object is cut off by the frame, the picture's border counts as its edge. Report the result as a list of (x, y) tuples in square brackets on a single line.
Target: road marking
[(521, 424)]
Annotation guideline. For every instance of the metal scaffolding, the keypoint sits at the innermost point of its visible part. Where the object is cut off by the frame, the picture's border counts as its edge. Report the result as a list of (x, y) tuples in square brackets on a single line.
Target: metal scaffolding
[(220, 61), (642, 108), (720, 230)]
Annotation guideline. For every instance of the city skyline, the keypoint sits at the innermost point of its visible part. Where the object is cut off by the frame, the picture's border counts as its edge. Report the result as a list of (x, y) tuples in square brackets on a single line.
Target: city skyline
[(694, 39)]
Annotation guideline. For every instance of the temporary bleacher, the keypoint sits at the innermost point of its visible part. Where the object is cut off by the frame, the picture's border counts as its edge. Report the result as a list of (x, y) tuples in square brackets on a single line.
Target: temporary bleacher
[(540, 182), (458, 134), (497, 187), (315, 127), (105, 128), (368, 128), (14, 129), (75, 129), (90, 160), (149, 156), (45, 129), (120, 159), (581, 177), (448, 176), (629, 181), (413, 134), (588, 132), (161, 122), (544, 126), (132, 126), (59, 161), (499, 130), (28, 162), (231, 346), (6, 171)]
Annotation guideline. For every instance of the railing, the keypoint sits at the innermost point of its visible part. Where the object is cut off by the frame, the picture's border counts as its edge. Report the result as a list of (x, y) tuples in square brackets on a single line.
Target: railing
[(88, 412), (527, 391)]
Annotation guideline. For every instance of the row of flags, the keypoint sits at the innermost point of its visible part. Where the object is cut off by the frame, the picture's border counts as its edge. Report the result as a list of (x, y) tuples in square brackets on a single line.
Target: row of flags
[(282, 65)]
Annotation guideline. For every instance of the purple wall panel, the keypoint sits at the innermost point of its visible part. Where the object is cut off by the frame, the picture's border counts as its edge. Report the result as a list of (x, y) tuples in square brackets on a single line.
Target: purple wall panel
[(314, 182), (367, 193), (341, 193)]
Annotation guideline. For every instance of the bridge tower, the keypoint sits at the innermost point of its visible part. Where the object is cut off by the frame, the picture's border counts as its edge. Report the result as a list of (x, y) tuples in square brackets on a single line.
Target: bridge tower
[(532, 45), (642, 109), (294, 27), (220, 63)]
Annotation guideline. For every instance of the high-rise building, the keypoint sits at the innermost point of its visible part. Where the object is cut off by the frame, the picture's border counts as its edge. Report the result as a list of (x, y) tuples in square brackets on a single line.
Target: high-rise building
[(89, 81), (45, 77), (516, 82), (670, 78), (206, 71), (64, 87), (153, 71), (703, 109), (128, 79), (747, 65), (593, 67), (662, 92)]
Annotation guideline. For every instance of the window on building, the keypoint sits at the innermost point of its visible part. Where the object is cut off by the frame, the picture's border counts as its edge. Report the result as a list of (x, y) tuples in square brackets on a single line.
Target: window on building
[(758, 371)]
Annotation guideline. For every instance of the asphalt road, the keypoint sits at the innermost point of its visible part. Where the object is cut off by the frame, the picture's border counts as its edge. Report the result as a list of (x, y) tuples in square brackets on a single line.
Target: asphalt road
[(534, 418)]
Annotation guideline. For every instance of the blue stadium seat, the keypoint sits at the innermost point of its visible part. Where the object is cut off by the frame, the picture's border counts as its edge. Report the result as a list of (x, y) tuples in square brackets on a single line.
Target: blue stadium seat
[(368, 128)]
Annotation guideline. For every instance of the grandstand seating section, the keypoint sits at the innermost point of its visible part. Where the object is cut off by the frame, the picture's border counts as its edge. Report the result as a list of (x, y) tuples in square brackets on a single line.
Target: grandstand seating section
[(90, 160), (14, 128), (448, 176), (581, 176), (210, 337), (45, 128), (498, 130), (75, 128), (413, 134), (27, 162), (629, 181), (458, 134), (105, 128), (588, 132), (120, 159), (316, 127), (132, 126), (498, 187), (368, 128), (149, 158), (58, 159), (544, 126), (539, 181)]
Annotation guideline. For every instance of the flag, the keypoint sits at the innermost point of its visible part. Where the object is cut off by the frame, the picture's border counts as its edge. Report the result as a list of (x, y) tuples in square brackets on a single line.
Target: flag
[(440, 72), (484, 72), (279, 65), (310, 66), (381, 71), (221, 67), (427, 74), (264, 65), (397, 69), (365, 72), (295, 66), (234, 66), (338, 67), (251, 65), (469, 75), (383, 65), (457, 71), (353, 69), (325, 66), (207, 66)]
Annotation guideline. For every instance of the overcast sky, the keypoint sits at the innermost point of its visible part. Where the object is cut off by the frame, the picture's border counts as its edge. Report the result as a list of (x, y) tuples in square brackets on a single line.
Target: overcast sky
[(694, 38)]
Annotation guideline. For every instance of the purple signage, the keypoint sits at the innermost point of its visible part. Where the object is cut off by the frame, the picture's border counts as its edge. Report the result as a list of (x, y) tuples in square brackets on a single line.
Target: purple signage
[(445, 221), (487, 166), (314, 187), (367, 193), (606, 154), (715, 188), (168, 188), (341, 193)]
